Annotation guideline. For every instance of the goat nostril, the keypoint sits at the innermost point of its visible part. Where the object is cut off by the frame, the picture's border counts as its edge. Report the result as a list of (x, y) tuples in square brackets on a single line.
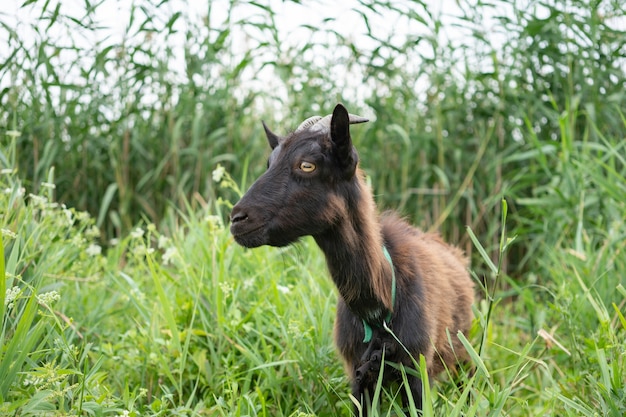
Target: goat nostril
[(238, 216)]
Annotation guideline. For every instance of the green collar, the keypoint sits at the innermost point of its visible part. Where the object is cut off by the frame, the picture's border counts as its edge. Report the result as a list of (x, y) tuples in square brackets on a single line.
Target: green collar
[(366, 327)]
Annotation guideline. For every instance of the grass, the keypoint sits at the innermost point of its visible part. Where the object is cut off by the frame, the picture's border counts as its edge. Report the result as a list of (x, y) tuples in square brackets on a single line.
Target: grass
[(124, 294)]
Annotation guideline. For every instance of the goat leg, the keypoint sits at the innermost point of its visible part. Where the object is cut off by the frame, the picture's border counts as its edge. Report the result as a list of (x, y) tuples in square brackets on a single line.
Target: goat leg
[(367, 370), (361, 391), (366, 374), (373, 345), (371, 361)]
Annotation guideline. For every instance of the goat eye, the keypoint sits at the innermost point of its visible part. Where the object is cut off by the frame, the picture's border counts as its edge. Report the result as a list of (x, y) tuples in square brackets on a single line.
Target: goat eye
[(307, 166)]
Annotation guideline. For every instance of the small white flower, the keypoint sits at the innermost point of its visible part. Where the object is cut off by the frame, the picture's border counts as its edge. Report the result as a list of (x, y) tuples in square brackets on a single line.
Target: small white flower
[(38, 200), (69, 215), (163, 242), (226, 287), (82, 216), (170, 253), (93, 250), (48, 298), (78, 240), (48, 185), (218, 173), (19, 192), (283, 289), (213, 221), (143, 250), (137, 233), (14, 133), (8, 233), (92, 232), (7, 171), (10, 296), (294, 329)]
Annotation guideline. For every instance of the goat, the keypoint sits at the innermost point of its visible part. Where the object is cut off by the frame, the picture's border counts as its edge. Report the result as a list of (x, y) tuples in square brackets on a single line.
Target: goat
[(391, 277)]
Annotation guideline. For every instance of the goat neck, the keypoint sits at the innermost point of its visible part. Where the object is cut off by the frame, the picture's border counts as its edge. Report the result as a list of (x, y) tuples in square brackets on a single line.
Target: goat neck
[(353, 248)]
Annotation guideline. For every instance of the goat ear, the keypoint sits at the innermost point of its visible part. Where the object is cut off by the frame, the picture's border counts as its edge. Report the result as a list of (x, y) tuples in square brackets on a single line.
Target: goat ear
[(272, 138), (340, 135)]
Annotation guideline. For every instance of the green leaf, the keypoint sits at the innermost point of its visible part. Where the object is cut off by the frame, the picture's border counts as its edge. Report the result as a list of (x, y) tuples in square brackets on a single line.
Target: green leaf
[(481, 250)]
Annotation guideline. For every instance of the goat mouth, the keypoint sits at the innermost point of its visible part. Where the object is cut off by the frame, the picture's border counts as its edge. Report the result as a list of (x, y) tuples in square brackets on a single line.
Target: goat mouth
[(248, 237)]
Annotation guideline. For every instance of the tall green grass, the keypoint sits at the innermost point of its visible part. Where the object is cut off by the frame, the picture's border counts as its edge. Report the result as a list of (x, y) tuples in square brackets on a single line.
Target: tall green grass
[(467, 107)]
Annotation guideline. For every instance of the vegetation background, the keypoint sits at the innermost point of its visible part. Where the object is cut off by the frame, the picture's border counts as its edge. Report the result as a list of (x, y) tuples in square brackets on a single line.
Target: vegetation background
[(500, 124)]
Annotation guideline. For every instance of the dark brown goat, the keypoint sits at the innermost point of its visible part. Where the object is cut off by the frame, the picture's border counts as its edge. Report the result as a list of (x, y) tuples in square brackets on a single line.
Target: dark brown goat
[(422, 292)]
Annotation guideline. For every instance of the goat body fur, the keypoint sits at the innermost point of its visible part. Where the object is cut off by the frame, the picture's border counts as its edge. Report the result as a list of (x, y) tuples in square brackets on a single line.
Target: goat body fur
[(434, 292)]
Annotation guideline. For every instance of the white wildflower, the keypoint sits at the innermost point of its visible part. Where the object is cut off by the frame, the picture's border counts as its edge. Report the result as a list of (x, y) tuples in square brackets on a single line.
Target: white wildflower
[(19, 192), (170, 253), (82, 216), (78, 240), (283, 289), (137, 233), (35, 381), (92, 232), (7, 171), (226, 287), (295, 329), (14, 133), (213, 221), (163, 242), (8, 233), (151, 228), (69, 216), (38, 200), (218, 173), (93, 250), (143, 250), (10, 296), (48, 185), (48, 298)]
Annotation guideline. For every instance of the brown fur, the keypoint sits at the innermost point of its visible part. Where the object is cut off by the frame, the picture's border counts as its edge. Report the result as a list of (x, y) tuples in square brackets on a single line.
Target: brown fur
[(434, 291)]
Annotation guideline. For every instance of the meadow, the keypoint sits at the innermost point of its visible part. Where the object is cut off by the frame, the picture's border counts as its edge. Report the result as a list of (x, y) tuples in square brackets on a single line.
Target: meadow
[(502, 125)]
